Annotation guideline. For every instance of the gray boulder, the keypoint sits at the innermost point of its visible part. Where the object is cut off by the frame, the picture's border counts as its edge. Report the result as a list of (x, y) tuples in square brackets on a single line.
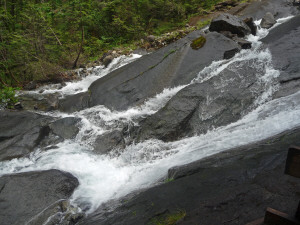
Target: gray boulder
[(231, 53), (25, 195), (199, 107), (170, 66), (268, 21), (107, 60), (33, 101), (228, 22), (65, 127), (108, 141), (21, 132), (75, 102)]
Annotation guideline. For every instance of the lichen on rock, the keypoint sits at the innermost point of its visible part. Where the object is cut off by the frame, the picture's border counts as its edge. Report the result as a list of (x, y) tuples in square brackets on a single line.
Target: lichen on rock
[(198, 43)]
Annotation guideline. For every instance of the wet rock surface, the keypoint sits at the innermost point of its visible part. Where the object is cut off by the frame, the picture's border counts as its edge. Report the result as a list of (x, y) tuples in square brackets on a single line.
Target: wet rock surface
[(199, 107), (21, 132), (283, 42), (132, 84), (106, 142), (233, 187), (25, 195), (75, 102), (268, 21), (228, 22), (66, 127)]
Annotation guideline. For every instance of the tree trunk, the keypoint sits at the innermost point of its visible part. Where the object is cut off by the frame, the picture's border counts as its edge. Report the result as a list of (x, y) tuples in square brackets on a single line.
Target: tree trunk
[(80, 49)]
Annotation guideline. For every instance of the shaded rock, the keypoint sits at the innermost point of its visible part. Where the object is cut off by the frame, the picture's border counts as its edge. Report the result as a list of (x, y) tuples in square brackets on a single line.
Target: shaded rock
[(65, 127), (21, 132), (228, 22), (268, 21), (283, 42), (199, 107), (236, 186), (243, 43), (25, 195), (150, 38), (33, 101), (75, 102), (18, 106), (107, 60), (108, 141), (130, 85), (231, 53), (250, 23)]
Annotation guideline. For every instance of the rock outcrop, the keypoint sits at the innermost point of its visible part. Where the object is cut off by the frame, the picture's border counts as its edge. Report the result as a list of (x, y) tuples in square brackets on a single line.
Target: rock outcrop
[(228, 22), (24, 196), (199, 107), (108, 141), (65, 127), (268, 21), (21, 132)]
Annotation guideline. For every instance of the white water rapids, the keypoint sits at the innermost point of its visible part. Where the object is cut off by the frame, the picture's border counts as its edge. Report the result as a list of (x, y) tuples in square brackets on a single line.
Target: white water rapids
[(141, 165)]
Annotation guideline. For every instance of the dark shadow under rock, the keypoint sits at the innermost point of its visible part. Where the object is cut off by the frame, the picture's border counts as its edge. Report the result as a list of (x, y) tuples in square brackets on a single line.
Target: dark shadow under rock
[(24, 195)]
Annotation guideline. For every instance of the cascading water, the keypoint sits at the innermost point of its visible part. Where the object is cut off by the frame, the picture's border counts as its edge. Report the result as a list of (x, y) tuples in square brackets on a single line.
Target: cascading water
[(140, 165)]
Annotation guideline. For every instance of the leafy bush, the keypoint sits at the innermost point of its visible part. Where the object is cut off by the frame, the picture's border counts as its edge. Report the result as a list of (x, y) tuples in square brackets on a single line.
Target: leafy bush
[(8, 97)]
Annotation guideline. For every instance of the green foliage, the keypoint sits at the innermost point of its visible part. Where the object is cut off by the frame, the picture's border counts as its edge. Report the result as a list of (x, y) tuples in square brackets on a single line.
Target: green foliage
[(8, 97), (42, 38), (198, 43), (170, 219), (169, 180), (202, 24)]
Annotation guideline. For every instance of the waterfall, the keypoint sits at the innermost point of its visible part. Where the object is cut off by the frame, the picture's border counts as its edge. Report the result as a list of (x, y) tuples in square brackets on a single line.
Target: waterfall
[(141, 165)]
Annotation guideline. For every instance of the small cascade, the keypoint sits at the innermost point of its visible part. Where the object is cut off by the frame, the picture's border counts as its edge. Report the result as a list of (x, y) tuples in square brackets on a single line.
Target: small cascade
[(141, 165)]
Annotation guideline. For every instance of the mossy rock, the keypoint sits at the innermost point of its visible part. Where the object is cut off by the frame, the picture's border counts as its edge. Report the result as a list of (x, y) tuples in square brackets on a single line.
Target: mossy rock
[(198, 43)]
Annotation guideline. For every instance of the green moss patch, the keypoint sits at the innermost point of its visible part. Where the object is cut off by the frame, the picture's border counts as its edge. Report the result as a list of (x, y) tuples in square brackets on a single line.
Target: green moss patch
[(198, 43), (170, 219)]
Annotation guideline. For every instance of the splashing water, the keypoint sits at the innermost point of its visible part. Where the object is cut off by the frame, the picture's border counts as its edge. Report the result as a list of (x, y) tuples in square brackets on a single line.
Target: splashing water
[(95, 73), (104, 177)]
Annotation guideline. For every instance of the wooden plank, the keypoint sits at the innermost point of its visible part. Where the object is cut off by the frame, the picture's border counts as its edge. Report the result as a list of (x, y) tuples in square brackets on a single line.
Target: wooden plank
[(257, 222), (298, 212), (275, 217), (292, 166)]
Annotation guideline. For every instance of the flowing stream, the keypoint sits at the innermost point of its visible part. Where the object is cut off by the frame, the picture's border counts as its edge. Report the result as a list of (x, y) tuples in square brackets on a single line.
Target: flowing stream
[(141, 165)]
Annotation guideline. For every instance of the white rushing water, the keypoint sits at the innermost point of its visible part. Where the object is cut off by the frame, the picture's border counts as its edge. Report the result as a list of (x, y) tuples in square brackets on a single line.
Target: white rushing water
[(140, 165), (74, 87)]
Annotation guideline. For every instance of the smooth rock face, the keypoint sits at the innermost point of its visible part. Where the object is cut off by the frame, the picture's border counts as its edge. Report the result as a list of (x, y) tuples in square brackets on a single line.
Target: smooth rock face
[(228, 22), (199, 107), (21, 132), (65, 127), (25, 195), (75, 102), (283, 42), (268, 21), (236, 186), (170, 66), (108, 141)]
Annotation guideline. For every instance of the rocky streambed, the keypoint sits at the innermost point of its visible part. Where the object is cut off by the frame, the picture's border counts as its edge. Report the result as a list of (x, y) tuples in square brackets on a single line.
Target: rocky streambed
[(201, 134)]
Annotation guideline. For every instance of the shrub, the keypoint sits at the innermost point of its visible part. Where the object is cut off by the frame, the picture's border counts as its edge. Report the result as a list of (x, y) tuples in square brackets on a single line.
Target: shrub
[(8, 97)]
